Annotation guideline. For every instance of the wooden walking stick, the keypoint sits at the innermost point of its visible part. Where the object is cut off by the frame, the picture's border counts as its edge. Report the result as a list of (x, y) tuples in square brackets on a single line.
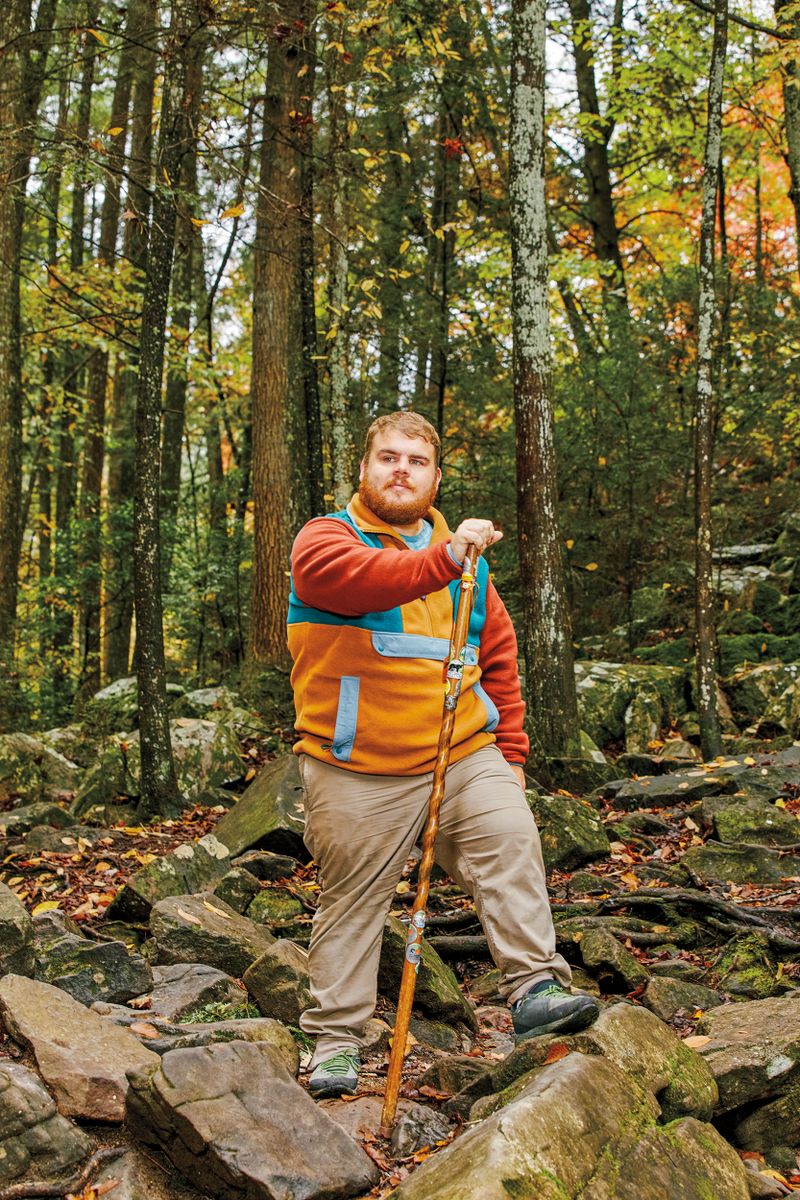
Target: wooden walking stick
[(455, 669)]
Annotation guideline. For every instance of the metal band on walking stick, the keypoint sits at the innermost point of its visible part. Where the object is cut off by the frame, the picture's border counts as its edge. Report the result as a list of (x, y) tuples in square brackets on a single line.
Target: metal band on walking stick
[(453, 676)]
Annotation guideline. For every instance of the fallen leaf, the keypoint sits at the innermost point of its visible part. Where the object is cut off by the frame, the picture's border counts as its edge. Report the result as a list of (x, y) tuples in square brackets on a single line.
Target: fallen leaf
[(696, 1041), (45, 906), (218, 911), (235, 210), (141, 1002), (555, 1052), (144, 1029), (193, 920)]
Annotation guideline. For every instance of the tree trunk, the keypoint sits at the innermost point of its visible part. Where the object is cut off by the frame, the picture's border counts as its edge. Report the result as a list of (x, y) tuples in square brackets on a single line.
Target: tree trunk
[(118, 567), (596, 169), (705, 634), (547, 640), (392, 232), (342, 444), (788, 19), (159, 788), (90, 597), (280, 455), (183, 279), (313, 406)]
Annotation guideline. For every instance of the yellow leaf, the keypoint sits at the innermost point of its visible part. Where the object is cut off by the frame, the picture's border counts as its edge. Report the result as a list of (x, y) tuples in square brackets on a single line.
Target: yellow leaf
[(167, 179), (303, 71), (101, 37), (666, 586), (601, 460), (218, 911), (115, 130), (780, 802), (767, 501), (235, 210), (591, 566), (570, 542), (404, 246), (198, 221), (403, 887), (190, 917), (45, 906), (749, 762)]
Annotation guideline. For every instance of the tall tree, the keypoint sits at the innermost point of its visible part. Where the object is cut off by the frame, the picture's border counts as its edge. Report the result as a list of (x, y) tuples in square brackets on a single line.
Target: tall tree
[(159, 788), (705, 633), (547, 640), (788, 18), (280, 432)]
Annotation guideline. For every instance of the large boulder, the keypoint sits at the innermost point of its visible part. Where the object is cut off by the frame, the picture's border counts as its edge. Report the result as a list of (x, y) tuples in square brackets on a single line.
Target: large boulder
[(234, 1121), (269, 813), (88, 970), (30, 769), (665, 791), (571, 831), (201, 929), (437, 992), (606, 690), (21, 820), (82, 1057), (185, 987), (751, 820), (751, 689), (17, 954), (35, 1140), (754, 1054), (115, 708), (189, 868), (278, 982), (580, 1127), (717, 863)]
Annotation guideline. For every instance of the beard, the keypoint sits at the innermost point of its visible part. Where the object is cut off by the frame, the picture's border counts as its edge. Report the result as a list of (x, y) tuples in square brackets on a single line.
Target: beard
[(396, 512)]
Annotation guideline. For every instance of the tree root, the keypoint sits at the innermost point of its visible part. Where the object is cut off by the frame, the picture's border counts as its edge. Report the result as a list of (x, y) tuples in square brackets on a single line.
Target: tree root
[(19, 1191), (737, 917)]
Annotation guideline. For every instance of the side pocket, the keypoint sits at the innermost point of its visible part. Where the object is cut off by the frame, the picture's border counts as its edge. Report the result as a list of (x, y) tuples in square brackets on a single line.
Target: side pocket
[(344, 733), (492, 715)]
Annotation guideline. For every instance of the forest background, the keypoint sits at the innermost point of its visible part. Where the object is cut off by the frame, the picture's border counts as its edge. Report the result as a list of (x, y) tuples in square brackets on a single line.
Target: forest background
[(230, 236)]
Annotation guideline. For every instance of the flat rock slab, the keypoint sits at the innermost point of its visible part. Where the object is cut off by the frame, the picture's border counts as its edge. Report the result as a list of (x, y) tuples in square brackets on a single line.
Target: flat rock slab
[(88, 970), (718, 863), (754, 1052), (81, 1056), (416, 1125), (137, 1176), (187, 869), (666, 996), (664, 791), (233, 1120), (204, 929), (183, 987), (34, 1138), (278, 982)]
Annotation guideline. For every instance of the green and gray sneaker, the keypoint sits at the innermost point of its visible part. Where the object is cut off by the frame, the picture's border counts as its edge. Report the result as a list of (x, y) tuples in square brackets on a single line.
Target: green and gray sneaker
[(336, 1076), (550, 1008)]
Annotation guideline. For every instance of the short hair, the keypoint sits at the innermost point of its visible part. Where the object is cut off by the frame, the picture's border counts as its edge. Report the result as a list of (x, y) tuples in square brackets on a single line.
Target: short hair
[(412, 424)]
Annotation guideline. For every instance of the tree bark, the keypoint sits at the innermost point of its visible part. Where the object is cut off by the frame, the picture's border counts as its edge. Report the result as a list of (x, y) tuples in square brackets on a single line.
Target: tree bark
[(313, 405), (547, 640), (788, 20), (159, 788), (705, 634), (118, 569), (280, 452)]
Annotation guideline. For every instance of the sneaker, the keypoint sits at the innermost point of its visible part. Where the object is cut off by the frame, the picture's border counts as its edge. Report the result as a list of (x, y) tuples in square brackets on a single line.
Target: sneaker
[(336, 1076), (550, 1008)]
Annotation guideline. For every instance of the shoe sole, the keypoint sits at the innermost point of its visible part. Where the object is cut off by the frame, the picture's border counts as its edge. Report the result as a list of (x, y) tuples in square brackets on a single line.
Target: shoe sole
[(332, 1092), (574, 1023)]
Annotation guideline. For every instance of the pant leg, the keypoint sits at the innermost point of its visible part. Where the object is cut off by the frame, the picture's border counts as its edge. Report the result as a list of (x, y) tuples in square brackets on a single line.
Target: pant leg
[(489, 843), (360, 829)]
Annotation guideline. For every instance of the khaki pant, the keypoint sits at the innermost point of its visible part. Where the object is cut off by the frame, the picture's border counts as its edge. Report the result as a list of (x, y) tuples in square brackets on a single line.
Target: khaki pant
[(361, 829)]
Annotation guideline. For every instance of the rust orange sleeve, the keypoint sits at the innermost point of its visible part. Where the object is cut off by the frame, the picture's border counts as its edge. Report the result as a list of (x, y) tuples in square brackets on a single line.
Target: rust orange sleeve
[(500, 678), (333, 570)]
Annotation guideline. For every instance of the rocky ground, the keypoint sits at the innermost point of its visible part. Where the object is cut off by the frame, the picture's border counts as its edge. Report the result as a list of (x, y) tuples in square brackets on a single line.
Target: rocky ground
[(152, 977)]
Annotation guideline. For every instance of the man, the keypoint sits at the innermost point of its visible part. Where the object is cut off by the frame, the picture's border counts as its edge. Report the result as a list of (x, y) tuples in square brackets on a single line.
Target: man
[(370, 617)]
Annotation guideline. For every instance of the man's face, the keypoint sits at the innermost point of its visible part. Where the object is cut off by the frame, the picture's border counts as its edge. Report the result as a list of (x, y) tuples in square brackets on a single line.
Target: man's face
[(400, 478)]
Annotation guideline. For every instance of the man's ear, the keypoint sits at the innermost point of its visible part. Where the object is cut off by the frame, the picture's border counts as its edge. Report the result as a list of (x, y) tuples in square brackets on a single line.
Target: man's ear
[(438, 477), (361, 467)]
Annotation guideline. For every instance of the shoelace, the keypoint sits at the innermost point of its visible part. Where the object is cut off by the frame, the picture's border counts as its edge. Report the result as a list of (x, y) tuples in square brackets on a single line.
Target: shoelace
[(341, 1064), (553, 989)]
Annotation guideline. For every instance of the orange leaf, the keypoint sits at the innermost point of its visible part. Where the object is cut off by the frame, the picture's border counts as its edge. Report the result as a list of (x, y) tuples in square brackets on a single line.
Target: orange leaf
[(556, 1051)]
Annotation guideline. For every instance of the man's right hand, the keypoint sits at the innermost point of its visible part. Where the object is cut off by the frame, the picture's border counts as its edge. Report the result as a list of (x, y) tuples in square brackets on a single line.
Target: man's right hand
[(473, 532)]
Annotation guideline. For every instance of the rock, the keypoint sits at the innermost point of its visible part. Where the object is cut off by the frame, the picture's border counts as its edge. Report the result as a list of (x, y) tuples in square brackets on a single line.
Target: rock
[(195, 929), (454, 1073), (209, 703), (576, 775), (21, 820), (615, 968), (184, 987), (269, 814), (678, 968), (664, 791), (35, 1140), (69, 840), (547, 1143), (162, 1036), (485, 987), (571, 831), (233, 1120), (416, 1125), (605, 691), (137, 1176), (281, 911), (278, 982), (675, 1160), (29, 768), (746, 967), (114, 709), (437, 993), (17, 955), (79, 1055), (86, 969), (666, 996), (643, 718), (717, 863), (237, 888), (754, 1054), (752, 820), (648, 1051), (189, 868), (266, 866)]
